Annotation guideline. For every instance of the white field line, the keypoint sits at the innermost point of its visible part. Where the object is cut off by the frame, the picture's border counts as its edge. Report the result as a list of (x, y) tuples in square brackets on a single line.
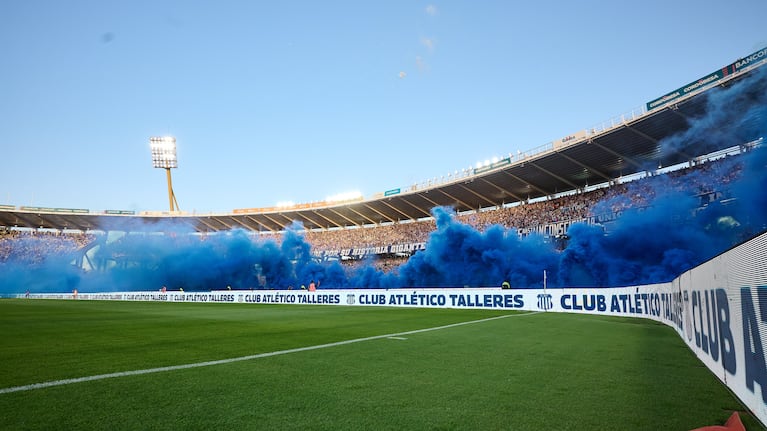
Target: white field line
[(238, 359)]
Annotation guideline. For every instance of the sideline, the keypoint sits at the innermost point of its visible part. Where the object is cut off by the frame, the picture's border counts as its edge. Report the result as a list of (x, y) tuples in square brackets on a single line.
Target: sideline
[(241, 358)]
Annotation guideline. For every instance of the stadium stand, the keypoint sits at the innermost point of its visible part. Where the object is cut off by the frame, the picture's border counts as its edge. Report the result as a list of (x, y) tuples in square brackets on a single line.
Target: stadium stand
[(590, 176), (707, 180), (31, 246)]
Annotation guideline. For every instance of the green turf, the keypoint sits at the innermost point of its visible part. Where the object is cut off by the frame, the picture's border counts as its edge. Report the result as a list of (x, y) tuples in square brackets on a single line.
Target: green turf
[(526, 371)]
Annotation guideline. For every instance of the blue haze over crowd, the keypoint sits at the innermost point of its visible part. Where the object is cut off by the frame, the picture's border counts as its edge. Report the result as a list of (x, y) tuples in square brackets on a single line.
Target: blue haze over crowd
[(653, 245)]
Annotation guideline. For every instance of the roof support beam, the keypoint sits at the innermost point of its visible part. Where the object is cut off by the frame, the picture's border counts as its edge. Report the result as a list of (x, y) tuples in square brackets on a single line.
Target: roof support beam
[(491, 202), (527, 183), (328, 220), (362, 215), (228, 226), (423, 211), (552, 174), (344, 217), (305, 217), (395, 209), (259, 222), (508, 192), (240, 222), (617, 154), (71, 223), (384, 216), (281, 225), (642, 134), (584, 166), (656, 142), (426, 198), (205, 223), (454, 198)]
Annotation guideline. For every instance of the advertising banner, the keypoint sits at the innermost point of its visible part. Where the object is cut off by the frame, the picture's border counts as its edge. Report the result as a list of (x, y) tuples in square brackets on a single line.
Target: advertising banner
[(710, 79), (683, 91)]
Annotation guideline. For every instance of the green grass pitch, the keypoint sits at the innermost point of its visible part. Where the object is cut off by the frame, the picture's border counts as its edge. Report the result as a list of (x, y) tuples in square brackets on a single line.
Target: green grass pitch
[(526, 371)]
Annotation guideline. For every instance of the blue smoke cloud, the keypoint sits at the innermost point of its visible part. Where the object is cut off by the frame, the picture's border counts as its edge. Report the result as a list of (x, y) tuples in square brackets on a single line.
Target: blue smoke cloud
[(458, 255), (734, 115), (669, 233), (646, 245), (657, 242)]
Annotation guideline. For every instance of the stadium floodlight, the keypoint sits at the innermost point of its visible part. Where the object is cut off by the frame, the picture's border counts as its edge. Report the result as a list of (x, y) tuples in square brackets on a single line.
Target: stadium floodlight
[(164, 156), (163, 152)]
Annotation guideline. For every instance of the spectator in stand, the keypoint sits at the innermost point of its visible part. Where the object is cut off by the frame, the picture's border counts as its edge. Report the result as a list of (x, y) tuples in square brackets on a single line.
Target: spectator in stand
[(31, 246)]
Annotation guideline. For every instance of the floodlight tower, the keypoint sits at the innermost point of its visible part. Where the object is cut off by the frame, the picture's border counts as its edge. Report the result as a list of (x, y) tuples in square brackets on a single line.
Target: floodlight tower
[(164, 156)]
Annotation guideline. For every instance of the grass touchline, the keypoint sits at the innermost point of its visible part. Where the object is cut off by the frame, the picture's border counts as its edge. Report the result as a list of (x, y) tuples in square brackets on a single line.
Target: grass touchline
[(397, 336)]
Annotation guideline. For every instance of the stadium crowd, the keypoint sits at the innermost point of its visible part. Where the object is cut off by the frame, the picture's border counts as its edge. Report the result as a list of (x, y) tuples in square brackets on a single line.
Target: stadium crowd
[(32, 246), (707, 180)]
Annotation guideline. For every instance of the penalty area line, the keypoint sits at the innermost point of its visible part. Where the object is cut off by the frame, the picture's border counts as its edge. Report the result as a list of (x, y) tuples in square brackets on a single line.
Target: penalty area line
[(238, 359)]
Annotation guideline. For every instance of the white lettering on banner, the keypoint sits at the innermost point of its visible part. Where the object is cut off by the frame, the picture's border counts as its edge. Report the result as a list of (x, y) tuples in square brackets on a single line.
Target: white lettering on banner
[(701, 82), (200, 297), (401, 248), (665, 98), (751, 59), (575, 137), (277, 297), (145, 296)]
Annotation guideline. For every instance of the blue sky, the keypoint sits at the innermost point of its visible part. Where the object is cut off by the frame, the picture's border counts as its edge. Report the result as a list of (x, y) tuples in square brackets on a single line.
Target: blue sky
[(300, 100)]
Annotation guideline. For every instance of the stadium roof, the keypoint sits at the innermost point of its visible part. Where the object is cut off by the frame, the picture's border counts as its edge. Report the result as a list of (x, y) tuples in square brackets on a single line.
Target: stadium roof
[(627, 146)]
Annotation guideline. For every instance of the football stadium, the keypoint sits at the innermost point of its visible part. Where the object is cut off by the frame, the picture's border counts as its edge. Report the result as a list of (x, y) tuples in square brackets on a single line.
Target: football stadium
[(613, 279)]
